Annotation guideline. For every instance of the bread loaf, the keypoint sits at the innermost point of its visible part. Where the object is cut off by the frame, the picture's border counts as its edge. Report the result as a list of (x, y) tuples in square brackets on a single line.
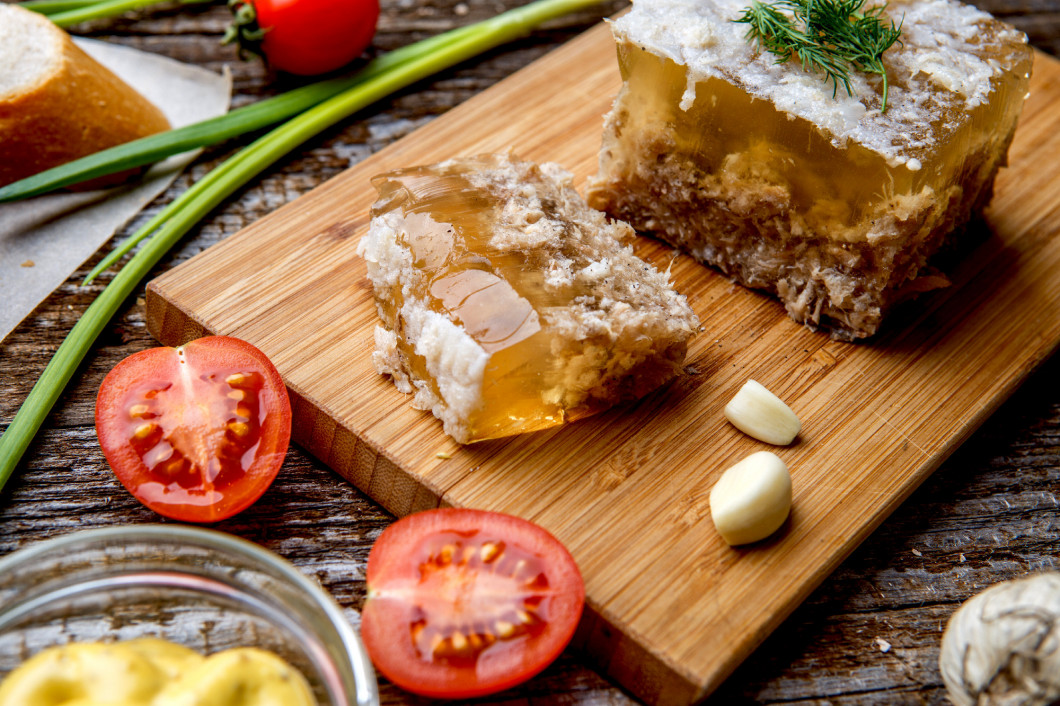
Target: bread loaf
[(57, 103)]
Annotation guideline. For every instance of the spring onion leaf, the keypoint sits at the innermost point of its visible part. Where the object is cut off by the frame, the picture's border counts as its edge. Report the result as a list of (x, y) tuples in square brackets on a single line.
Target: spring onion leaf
[(50, 7), (248, 118), (153, 148), (185, 211), (101, 9), (388, 62), (831, 36)]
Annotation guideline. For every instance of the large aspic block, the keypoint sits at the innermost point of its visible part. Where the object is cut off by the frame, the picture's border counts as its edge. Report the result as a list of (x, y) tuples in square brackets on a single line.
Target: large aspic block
[(827, 201)]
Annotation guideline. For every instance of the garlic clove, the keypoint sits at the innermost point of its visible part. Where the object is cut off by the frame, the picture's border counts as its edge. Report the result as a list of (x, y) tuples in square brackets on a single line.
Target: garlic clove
[(752, 499), (759, 413)]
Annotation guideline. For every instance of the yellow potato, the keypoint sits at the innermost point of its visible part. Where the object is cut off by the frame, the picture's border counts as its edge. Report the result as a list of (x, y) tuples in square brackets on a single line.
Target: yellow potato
[(244, 676), (171, 658), (92, 672), (93, 702)]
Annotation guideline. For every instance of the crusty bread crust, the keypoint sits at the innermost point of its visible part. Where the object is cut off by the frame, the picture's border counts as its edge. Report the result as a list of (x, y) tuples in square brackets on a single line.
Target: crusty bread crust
[(76, 109)]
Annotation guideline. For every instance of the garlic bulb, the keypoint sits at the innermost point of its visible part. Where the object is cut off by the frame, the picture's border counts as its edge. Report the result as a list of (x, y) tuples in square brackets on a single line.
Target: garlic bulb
[(1002, 647)]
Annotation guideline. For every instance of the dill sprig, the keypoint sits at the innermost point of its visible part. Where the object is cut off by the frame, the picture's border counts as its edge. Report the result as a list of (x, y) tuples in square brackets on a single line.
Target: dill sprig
[(831, 36)]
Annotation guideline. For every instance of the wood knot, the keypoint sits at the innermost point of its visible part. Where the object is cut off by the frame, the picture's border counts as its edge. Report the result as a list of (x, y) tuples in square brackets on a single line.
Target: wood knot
[(621, 465), (690, 509), (824, 358), (610, 475), (340, 231)]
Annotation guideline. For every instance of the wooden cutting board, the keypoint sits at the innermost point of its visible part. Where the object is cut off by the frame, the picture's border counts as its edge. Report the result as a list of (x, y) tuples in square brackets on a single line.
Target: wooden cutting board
[(671, 609)]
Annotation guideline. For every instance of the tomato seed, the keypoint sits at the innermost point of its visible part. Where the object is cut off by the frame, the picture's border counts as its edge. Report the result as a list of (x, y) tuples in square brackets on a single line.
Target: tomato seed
[(144, 430), (240, 429), (490, 551)]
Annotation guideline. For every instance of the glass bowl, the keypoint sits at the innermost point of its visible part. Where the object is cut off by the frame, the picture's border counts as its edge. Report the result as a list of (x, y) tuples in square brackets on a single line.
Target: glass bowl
[(197, 587)]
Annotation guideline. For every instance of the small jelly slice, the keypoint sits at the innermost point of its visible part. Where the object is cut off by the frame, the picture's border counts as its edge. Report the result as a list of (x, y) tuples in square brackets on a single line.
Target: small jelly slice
[(829, 202), (507, 304)]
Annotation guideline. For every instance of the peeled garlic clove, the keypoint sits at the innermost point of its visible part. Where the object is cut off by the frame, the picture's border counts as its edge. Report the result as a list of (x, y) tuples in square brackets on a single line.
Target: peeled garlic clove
[(759, 413), (752, 499)]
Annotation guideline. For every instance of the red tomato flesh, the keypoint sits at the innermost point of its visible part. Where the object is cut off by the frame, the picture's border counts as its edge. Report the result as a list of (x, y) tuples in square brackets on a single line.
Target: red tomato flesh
[(196, 433), (463, 603)]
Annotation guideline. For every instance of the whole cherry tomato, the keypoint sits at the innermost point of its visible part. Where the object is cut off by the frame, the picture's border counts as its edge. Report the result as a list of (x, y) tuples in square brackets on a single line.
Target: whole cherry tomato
[(309, 37), (196, 433)]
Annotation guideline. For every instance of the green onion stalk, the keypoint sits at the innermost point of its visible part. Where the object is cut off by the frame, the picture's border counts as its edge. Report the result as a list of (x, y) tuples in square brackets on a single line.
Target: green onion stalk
[(184, 212), (421, 51), (51, 7), (71, 12), (263, 113)]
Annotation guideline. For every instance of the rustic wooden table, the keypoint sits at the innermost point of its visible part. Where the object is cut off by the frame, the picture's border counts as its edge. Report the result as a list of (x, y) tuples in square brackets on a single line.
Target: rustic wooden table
[(869, 634)]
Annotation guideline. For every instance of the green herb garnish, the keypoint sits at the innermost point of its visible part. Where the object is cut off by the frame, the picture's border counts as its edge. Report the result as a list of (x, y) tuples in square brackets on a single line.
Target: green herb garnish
[(832, 36)]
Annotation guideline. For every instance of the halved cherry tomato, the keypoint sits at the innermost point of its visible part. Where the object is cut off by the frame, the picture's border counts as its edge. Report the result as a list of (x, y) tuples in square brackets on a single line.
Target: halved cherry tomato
[(464, 603), (196, 433)]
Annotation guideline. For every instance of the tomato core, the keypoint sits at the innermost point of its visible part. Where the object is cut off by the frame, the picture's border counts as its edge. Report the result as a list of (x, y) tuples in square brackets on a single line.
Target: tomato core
[(198, 432), (474, 595), (196, 437), (465, 603)]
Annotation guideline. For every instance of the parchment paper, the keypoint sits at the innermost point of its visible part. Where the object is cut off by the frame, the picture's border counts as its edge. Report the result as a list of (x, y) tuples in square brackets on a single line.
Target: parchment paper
[(43, 240)]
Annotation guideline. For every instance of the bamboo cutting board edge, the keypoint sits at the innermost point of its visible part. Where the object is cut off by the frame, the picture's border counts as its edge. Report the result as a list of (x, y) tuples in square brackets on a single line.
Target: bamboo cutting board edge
[(378, 470)]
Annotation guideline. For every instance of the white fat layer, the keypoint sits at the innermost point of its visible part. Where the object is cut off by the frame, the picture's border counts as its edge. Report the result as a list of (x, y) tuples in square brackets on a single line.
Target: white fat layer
[(453, 358)]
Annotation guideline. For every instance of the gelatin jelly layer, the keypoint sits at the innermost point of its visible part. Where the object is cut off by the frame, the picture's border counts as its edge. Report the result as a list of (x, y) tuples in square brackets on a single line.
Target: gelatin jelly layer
[(507, 264), (839, 190)]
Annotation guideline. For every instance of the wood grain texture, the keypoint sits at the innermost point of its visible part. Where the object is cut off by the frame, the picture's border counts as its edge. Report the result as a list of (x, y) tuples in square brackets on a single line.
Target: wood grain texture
[(627, 491), (990, 513)]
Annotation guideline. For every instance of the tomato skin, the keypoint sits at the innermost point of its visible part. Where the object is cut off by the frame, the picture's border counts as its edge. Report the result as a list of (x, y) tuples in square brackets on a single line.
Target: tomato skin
[(217, 407), (409, 589), (309, 37)]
